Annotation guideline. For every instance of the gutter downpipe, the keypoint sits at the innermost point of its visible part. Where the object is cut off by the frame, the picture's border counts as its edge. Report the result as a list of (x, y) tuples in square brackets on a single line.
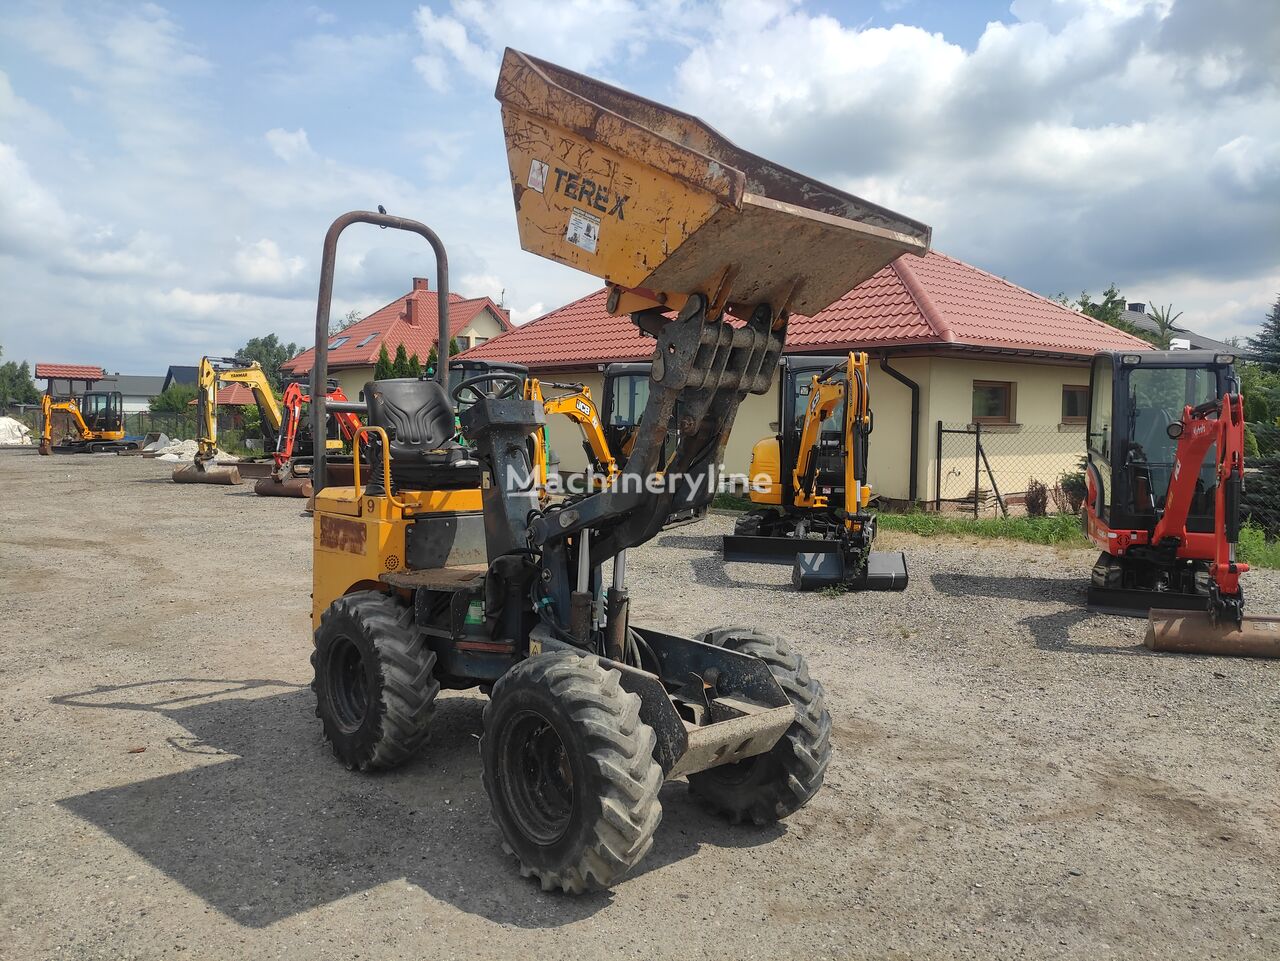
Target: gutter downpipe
[(911, 385)]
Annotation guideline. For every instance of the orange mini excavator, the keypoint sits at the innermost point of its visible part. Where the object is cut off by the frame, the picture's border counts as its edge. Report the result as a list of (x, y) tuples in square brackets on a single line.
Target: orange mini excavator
[(295, 447), (1165, 474)]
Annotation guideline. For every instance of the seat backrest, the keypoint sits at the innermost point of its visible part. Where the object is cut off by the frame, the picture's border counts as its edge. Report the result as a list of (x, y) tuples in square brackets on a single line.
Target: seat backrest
[(416, 414)]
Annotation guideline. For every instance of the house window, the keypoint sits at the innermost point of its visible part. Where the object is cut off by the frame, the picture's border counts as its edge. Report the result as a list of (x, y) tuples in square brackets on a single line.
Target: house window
[(1075, 404), (477, 341), (367, 339), (992, 402), (338, 343)]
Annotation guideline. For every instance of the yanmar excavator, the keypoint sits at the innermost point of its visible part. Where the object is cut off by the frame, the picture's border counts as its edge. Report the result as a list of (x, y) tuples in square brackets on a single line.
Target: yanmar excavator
[(212, 372), (1164, 475), (809, 483), (442, 567)]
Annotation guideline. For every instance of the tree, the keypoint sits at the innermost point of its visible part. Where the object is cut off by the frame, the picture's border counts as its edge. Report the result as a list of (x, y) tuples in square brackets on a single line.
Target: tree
[(177, 399), (400, 367), (415, 366), (434, 355), (1109, 310), (351, 318), (15, 383), (1164, 319), (271, 354), (383, 369), (1265, 345)]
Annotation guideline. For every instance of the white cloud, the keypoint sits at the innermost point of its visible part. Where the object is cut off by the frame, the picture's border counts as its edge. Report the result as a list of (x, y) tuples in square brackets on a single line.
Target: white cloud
[(522, 315), (289, 145), (261, 264), (444, 38), (480, 285)]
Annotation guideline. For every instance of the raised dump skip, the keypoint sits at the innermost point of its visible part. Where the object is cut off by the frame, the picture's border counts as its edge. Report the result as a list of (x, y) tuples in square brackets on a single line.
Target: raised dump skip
[(656, 202)]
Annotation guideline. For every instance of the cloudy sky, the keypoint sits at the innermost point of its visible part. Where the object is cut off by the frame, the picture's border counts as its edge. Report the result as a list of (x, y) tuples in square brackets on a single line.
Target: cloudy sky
[(167, 172)]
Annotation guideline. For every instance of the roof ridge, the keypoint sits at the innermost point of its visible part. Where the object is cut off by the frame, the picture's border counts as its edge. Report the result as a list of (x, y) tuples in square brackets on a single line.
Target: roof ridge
[(1047, 300), (928, 308)]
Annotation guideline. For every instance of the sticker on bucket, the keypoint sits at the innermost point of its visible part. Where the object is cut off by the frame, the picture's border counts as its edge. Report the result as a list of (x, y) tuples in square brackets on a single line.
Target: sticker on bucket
[(584, 230), (537, 175)]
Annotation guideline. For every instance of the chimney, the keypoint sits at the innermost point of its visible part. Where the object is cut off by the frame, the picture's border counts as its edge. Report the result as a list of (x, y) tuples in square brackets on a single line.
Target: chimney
[(411, 310), (1138, 308), (421, 283)]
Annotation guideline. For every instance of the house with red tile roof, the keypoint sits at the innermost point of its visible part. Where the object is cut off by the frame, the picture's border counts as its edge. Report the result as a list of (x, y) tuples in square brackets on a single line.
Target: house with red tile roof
[(410, 320), (951, 345)]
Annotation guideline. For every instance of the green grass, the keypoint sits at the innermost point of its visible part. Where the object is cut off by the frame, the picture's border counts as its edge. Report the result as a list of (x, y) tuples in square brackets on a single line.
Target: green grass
[(1254, 548), (1056, 529)]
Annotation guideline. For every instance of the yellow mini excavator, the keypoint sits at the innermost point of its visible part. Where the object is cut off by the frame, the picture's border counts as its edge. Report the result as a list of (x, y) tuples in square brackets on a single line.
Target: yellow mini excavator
[(97, 417), (440, 566), (212, 372), (577, 405), (809, 483)]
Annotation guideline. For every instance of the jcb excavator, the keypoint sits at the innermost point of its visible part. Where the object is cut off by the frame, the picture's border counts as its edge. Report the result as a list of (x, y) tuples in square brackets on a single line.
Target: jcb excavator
[(212, 372), (98, 419), (577, 405), (441, 567), (295, 446), (1164, 478), (810, 482)]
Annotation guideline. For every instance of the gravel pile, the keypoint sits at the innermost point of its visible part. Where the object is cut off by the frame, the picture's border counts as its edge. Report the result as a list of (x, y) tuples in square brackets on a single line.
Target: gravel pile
[(186, 450)]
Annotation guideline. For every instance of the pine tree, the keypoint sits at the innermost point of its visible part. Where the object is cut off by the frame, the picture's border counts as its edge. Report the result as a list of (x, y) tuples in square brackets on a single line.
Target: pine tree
[(383, 369), (1265, 346), (432, 356), (453, 346), (415, 366), (400, 367)]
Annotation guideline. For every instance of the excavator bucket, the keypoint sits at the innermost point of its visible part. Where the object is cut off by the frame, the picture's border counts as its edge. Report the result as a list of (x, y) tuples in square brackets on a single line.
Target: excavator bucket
[(1192, 632), (196, 474), (291, 487), (663, 206)]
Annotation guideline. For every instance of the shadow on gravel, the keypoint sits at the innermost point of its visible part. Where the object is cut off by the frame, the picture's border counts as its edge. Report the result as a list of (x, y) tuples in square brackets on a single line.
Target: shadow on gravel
[(270, 825), (1051, 630)]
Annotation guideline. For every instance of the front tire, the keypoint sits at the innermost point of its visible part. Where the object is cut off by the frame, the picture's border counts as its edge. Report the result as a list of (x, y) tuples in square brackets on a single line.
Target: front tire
[(374, 681), (570, 773), (771, 786)]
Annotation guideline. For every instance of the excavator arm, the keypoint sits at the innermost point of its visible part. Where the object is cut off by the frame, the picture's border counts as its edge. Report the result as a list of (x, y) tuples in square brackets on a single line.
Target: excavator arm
[(581, 409), (1216, 424), (214, 371), (842, 382)]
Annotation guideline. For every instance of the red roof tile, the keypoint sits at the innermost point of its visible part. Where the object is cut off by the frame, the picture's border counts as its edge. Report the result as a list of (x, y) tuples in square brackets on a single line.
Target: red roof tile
[(69, 371), (930, 300), (408, 320)]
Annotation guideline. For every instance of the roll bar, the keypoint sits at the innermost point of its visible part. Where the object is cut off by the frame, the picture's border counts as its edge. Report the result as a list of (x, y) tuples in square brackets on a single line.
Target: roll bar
[(320, 366)]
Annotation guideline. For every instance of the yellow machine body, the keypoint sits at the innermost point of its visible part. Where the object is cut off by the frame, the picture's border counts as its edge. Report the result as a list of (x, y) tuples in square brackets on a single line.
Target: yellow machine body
[(766, 472), (48, 406)]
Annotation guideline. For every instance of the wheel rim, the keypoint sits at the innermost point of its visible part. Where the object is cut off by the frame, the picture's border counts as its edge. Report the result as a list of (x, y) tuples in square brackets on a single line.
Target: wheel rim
[(537, 782), (348, 685)]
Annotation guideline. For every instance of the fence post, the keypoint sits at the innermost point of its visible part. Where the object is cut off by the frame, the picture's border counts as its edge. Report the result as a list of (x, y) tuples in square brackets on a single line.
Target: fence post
[(977, 466), (937, 474)]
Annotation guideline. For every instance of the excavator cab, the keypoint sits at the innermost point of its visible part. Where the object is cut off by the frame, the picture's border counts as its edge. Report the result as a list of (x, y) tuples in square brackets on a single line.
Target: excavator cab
[(626, 392), (103, 413)]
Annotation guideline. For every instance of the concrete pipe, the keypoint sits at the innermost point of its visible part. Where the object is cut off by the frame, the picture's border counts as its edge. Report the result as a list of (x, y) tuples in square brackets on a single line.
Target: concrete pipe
[(191, 474)]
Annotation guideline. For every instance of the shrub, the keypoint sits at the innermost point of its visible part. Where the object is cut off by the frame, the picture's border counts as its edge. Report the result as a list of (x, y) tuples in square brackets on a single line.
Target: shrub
[(1037, 499)]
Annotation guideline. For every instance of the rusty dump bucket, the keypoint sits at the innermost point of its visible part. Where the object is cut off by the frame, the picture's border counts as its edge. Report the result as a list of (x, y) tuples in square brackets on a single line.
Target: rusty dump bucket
[(195, 474), (1191, 632), (658, 203)]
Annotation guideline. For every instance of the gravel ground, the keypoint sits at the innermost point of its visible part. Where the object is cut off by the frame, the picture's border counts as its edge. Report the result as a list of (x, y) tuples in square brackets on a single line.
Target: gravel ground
[(1012, 777)]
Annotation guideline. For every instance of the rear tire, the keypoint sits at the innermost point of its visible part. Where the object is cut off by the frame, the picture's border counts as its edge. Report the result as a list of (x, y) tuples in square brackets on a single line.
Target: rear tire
[(774, 785), (374, 681), (570, 773)]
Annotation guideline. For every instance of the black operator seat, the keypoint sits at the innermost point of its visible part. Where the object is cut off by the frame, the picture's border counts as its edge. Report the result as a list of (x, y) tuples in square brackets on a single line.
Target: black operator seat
[(418, 418)]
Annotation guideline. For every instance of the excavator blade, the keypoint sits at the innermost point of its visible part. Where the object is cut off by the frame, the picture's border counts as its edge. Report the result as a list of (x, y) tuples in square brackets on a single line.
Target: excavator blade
[(293, 487), (1192, 632), (191, 474)]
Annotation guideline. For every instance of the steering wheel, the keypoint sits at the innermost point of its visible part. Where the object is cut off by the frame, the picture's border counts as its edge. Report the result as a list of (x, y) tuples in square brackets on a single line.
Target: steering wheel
[(500, 385)]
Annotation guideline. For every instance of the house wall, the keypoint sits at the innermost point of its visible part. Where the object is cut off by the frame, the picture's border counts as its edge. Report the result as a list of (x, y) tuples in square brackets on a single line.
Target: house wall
[(483, 326), (1038, 445)]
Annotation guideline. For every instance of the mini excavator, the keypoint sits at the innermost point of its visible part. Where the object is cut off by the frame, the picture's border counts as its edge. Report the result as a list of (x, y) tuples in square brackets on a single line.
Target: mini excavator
[(441, 566), (809, 483), (212, 372), (97, 417), (1164, 479)]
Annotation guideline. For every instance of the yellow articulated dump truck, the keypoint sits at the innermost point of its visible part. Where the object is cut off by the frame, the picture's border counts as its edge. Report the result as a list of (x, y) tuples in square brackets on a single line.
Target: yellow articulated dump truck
[(441, 567)]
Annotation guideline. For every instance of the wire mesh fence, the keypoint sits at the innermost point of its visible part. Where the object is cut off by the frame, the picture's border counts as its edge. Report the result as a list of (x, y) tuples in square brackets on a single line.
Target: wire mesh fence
[(988, 471), (1009, 470), (177, 425)]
